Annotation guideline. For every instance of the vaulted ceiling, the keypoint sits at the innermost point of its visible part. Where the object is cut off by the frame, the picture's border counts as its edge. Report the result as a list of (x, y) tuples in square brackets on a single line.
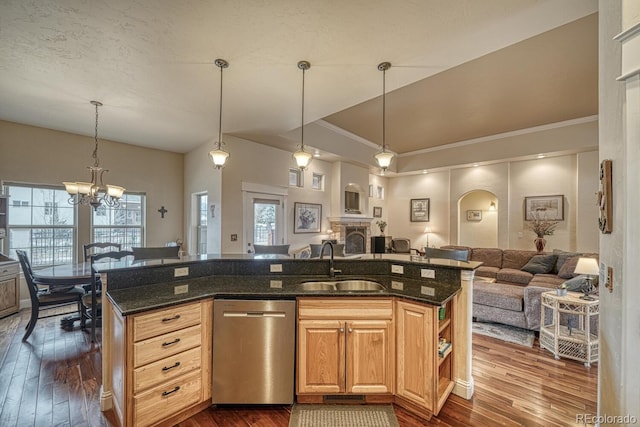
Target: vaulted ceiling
[(460, 69)]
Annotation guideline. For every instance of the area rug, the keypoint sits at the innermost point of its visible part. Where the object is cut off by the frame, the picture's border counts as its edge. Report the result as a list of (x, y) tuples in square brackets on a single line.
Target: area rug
[(505, 333), (343, 416)]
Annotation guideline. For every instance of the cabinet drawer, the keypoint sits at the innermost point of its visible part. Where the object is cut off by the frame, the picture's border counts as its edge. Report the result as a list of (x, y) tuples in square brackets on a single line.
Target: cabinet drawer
[(167, 369), (167, 320), (345, 308), (166, 345), (10, 269), (167, 399)]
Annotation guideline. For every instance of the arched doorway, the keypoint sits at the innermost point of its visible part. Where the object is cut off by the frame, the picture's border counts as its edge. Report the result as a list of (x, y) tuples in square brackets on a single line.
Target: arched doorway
[(478, 219)]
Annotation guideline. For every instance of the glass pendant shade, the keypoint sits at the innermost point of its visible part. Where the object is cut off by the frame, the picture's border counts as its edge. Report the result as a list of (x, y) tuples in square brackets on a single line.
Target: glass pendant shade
[(302, 158), (218, 157), (384, 159)]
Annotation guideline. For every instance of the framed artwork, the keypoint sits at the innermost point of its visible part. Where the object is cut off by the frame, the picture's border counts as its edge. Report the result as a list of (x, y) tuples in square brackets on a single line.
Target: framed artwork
[(419, 210), (473, 215), (605, 202), (377, 212), (307, 217), (550, 208)]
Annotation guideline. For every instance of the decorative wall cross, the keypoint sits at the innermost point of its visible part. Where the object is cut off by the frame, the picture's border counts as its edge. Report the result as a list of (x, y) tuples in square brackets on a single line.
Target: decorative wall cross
[(162, 211)]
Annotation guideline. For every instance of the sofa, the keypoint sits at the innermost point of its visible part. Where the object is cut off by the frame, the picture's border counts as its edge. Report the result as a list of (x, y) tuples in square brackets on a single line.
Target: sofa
[(508, 284)]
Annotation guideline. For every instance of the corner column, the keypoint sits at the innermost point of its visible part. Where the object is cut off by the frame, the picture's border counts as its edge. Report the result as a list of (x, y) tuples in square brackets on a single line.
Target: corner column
[(462, 335)]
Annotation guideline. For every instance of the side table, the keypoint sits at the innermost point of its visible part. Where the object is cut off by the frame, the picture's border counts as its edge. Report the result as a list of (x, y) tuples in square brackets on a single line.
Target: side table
[(577, 343)]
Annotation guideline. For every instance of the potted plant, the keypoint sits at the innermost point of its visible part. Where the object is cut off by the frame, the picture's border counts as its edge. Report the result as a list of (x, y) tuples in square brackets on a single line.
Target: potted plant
[(562, 290), (542, 227), (382, 224)]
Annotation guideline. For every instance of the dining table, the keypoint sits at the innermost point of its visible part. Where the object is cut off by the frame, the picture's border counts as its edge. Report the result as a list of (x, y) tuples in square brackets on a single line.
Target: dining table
[(65, 275)]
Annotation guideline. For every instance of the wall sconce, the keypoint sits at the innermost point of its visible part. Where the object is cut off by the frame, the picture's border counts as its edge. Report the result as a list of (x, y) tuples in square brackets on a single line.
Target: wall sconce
[(492, 206)]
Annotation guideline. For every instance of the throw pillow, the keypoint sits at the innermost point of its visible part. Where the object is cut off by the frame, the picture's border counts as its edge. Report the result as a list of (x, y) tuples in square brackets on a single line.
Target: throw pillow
[(568, 268), (563, 256), (575, 284), (540, 264)]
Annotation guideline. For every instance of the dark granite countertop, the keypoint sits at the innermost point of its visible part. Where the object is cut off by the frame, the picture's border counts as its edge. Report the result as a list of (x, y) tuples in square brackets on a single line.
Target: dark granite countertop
[(147, 297)]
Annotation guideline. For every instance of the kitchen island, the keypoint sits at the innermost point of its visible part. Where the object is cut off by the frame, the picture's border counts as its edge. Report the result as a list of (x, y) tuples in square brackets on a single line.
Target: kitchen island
[(413, 291)]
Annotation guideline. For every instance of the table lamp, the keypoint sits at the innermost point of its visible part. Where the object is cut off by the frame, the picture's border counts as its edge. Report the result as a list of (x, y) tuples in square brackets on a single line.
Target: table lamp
[(588, 267), (427, 230)]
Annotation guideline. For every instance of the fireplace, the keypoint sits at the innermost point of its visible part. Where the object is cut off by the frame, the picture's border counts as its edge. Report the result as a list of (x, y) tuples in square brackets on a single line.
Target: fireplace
[(355, 241), (353, 232)]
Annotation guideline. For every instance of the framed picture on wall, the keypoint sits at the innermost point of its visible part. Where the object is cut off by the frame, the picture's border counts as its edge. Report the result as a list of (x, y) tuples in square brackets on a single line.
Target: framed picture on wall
[(419, 210), (473, 215), (550, 208), (307, 217), (377, 212)]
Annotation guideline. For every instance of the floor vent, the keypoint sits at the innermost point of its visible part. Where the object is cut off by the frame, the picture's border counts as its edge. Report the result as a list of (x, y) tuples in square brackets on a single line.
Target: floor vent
[(339, 398)]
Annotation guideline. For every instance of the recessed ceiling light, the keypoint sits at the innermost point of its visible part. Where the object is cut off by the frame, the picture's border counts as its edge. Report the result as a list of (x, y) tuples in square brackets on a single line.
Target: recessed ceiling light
[(316, 154), (540, 156), (475, 165), (425, 171)]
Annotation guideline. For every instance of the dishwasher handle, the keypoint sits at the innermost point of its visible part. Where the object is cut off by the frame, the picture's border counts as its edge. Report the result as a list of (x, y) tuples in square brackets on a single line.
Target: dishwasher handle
[(254, 314)]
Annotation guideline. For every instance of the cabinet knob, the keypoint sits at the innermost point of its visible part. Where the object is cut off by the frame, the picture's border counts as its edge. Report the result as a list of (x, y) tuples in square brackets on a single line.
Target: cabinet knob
[(341, 330), (350, 330)]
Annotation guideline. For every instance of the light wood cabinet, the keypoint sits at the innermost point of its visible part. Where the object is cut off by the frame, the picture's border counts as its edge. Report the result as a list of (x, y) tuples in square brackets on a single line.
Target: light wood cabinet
[(345, 346), (9, 287), (424, 379), (4, 217), (161, 363)]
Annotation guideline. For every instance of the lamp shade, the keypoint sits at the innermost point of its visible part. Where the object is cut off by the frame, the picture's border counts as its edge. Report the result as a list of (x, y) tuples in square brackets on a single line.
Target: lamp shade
[(384, 159), (587, 266), (218, 157), (302, 158)]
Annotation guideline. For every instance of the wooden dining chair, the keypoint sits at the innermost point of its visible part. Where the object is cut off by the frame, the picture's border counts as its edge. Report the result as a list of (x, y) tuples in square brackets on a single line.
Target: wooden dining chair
[(402, 245), (160, 252), (92, 302), (98, 247), (42, 299)]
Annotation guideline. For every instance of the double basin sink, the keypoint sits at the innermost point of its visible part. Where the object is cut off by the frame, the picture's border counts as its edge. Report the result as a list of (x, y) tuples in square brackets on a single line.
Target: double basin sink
[(342, 286)]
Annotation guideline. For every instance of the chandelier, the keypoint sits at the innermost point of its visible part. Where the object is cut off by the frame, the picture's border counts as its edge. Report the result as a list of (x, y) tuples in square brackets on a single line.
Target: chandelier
[(219, 156), (384, 157), (302, 157), (94, 193)]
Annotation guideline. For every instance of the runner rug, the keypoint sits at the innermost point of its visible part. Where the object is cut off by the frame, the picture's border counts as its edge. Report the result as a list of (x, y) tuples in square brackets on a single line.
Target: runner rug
[(505, 333), (343, 416)]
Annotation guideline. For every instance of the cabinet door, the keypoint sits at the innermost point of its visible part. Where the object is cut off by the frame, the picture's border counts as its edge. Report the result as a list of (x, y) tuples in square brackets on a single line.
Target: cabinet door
[(369, 356), (321, 356), (415, 353), (9, 296)]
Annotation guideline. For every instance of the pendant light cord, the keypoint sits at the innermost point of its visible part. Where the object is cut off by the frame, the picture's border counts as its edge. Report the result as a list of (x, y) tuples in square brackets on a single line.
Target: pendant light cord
[(220, 121), (302, 125), (96, 160), (384, 108)]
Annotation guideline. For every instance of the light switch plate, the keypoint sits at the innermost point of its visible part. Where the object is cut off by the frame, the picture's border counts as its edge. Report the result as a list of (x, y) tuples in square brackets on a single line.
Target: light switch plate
[(181, 272), (275, 284), (398, 286), (181, 289), (397, 269), (275, 268), (427, 273), (426, 290)]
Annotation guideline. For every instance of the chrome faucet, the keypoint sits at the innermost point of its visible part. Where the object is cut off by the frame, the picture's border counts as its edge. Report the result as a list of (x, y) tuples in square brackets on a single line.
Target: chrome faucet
[(332, 271)]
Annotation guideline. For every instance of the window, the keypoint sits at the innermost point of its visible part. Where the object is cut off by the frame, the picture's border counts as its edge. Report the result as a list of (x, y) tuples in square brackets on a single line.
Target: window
[(317, 182), (201, 224), (42, 223), (124, 224), (295, 178), (267, 220)]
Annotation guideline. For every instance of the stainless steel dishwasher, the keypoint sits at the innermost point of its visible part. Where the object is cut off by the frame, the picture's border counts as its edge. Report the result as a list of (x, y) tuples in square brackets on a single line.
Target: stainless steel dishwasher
[(253, 351)]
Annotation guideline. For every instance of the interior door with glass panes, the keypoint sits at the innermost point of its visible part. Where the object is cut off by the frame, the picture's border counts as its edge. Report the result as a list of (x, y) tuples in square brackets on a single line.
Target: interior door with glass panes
[(266, 220)]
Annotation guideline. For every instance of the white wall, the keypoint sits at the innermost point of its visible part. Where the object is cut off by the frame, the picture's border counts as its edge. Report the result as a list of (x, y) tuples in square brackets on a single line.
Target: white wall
[(482, 233)]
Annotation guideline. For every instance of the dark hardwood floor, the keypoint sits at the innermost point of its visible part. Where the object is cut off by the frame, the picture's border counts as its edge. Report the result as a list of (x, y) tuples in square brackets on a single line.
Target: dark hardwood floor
[(54, 380)]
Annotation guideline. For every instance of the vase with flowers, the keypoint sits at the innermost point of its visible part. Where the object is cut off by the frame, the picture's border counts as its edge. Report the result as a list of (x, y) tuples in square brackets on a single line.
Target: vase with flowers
[(382, 224), (542, 227)]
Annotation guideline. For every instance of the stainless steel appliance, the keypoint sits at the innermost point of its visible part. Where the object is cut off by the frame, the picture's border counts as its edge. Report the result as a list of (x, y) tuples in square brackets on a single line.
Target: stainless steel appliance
[(253, 351)]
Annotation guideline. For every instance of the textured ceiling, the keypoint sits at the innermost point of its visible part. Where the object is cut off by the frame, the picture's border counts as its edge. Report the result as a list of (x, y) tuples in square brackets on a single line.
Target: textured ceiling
[(151, 63)]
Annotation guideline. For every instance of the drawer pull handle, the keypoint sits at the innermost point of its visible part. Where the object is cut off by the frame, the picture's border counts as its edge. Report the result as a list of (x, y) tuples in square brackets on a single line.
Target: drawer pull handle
[(166, 344), (169, 319), (175, 365), (167, 393)]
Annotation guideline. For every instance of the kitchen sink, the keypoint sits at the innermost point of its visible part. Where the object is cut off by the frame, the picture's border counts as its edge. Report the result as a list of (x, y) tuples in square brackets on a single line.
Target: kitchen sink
[(342, 286)]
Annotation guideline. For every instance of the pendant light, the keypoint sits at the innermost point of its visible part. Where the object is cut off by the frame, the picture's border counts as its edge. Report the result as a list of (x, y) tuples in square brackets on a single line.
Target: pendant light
[(302, 157), (219, 156), (94, 193), (384, 157)]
